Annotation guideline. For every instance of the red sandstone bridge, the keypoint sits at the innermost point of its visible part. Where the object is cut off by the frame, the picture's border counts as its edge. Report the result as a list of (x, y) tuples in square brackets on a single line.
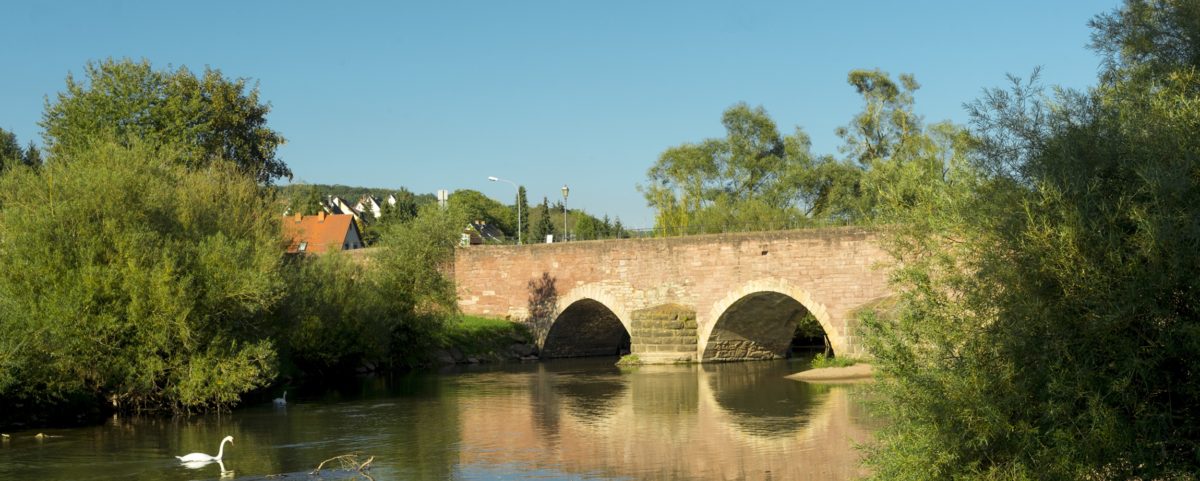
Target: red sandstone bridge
[(699, 298)]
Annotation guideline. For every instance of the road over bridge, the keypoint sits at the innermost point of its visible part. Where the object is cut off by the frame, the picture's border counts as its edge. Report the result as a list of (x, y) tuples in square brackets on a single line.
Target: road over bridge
[(697, 298)]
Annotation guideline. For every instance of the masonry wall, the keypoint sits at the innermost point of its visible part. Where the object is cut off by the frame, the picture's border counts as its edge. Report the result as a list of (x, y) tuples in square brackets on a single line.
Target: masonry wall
[(830, 271)]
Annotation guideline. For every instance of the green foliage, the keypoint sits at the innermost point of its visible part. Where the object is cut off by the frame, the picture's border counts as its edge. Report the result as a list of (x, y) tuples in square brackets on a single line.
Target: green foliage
[(10, 150), (821, 361), (522, 213), (629, 360), (1047, 326), (334, 318), (303, 199), (481, 336), (32, 157), (756, 179), (406, 208), (1148, 39), (409, 273), (132, 278), (734, 182), (545, 226), (12, 155), (387, 309), (208, 118), (474, 206)]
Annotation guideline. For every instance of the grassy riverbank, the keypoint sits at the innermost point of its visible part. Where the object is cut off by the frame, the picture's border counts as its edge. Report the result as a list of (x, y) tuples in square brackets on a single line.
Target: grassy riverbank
[(483, 339)]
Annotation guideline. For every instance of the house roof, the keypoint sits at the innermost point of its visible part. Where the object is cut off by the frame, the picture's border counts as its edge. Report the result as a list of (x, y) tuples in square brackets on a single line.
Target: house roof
[(317, 233), (486, 232)]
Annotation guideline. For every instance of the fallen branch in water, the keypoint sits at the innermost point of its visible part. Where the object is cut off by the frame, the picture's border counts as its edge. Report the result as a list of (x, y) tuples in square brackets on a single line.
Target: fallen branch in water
[(347, 462)]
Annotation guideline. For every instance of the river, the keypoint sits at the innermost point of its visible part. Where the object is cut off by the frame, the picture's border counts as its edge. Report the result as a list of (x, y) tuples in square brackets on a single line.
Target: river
[(556, 420)]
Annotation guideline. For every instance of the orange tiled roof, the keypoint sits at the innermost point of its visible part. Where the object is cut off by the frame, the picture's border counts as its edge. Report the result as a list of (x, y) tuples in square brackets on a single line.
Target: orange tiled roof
[(318, 233)]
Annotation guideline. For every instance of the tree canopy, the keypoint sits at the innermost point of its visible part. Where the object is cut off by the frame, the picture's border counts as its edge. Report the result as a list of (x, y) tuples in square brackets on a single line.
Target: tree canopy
[(1047, 326), (474, 206), (755, 178), (11, 153), (208, 117), (752, 175)]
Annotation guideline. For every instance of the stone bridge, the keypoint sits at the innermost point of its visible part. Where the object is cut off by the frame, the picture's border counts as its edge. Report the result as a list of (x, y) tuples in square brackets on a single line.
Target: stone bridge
[(697, 298)]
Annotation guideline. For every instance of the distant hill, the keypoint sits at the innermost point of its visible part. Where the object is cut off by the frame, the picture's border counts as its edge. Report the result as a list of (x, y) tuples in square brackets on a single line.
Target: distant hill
[(351, 193)]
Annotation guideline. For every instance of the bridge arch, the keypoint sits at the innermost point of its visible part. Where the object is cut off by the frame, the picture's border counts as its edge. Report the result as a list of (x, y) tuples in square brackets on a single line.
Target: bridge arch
[(611, 295), (741, 310), (590, 320), (586, 328)]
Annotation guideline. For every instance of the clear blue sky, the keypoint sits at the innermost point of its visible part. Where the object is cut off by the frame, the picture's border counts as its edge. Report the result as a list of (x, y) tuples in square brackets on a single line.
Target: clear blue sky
[(432, 95)]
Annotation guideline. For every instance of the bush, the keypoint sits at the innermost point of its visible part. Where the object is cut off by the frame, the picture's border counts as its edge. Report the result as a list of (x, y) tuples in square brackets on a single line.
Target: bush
[(129, 277), (820, 361), (410, 279), (334, 320)]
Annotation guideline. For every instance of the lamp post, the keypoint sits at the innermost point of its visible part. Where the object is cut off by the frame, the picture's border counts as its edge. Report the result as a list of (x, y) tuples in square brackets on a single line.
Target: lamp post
[(497, 179), (565, 191)]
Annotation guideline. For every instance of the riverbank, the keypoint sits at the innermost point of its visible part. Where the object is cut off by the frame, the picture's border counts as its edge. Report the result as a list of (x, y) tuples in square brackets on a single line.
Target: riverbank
[(474, 340), (836, 375)]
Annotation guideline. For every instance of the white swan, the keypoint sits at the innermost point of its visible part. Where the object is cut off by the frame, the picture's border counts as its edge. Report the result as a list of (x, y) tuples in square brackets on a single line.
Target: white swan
[(203, 458), (281, 401)]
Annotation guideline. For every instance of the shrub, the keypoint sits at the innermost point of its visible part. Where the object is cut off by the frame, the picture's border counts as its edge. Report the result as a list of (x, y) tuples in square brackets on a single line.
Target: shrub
[(130, 277)]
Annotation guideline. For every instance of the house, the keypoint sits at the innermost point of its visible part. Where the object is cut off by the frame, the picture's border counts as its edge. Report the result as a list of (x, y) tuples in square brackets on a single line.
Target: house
[(480, 232), (369, 204), (336, 205), (315, 234)]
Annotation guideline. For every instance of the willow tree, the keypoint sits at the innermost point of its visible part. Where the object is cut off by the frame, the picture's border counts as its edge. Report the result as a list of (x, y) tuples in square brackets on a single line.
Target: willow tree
[(134, 281), (1049, 328)]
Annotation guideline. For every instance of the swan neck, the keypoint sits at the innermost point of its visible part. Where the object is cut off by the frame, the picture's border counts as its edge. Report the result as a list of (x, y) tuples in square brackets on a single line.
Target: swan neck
[(221, 450)]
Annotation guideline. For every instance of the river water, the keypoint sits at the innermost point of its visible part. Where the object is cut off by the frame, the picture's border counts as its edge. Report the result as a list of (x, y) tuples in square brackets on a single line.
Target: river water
[(557, 420)]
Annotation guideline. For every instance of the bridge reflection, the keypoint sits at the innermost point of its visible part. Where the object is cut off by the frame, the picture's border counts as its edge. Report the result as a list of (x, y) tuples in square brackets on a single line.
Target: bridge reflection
[(719, 421)]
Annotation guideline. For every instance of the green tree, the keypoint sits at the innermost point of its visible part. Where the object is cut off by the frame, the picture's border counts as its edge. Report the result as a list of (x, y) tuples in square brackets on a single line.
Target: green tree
[(10, 150), (585, 227), (1148, 39), (753, 175), (303, 199), (545, 226), (892, 160), (32, 157), (474, 206), (210, 117), (409, 276), (1047, 327), (405, 209), (172, 272), (523, 205)]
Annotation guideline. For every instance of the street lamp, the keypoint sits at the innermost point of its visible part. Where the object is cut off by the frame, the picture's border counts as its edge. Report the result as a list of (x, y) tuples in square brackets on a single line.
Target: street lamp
[(497, 179), (565, 191)]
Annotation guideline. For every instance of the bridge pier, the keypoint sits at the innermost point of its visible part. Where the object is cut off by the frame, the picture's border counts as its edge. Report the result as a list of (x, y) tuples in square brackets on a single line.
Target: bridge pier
[(664, 334)]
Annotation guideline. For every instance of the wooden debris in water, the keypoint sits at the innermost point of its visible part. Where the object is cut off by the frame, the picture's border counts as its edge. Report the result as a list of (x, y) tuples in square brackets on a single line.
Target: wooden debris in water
[(347, 462)]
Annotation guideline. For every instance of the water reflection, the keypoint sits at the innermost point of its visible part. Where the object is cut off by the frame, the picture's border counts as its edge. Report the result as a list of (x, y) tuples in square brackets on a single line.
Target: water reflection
[(557, 420), (760, 400)]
